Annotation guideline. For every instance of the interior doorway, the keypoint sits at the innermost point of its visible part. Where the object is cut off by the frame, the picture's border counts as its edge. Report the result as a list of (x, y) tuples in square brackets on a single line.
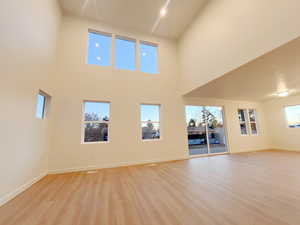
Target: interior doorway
[(206, 130)]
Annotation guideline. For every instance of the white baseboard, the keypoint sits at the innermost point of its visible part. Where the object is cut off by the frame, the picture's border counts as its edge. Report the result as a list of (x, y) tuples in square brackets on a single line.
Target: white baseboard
[(6, 198), (113, 165), (251, 151), (9, 196), (287, 149)]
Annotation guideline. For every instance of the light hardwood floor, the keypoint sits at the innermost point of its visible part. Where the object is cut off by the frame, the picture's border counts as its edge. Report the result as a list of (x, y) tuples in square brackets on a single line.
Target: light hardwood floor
[(244, 189)]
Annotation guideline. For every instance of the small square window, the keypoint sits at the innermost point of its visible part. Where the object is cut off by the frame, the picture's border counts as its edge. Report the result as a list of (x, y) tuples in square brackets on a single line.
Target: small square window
[(96, 121), (149, 58), (150, 121), (99, 52), (125, 54), (293, 116)]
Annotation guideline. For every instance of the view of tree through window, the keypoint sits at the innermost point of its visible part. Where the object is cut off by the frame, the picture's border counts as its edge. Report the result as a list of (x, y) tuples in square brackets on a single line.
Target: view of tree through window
[(243, 121), (248, 121), (205, 127), (253, 121), (96, 121), (150, 121)]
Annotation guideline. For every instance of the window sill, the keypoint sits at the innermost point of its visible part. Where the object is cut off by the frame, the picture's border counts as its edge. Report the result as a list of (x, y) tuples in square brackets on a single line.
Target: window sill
[(151, 140), (94, 143)]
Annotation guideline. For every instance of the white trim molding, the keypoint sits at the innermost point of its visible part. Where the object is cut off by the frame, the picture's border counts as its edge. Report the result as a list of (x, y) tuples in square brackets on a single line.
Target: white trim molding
[(114, 165), (11, 195)]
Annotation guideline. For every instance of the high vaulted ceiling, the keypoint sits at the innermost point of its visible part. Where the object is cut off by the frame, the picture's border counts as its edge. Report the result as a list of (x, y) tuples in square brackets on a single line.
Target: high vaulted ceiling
[(259, 80), (138, 15)]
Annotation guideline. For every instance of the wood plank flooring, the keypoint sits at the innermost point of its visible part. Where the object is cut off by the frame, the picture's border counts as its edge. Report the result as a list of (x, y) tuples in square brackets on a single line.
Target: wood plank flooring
[(244, 189)]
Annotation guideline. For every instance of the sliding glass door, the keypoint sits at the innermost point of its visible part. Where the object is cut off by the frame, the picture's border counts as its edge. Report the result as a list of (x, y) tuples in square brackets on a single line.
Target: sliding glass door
[(206, 131), (197, 130)]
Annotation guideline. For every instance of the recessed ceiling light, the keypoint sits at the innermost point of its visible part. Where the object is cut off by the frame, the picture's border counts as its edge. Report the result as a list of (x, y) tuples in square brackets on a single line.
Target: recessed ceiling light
[(144, 54), (98, 58), (163, 12), (97, 45), (283, 94)]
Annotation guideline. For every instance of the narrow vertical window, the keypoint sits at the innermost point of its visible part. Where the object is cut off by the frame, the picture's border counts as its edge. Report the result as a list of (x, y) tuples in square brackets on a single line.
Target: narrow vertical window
[(42, 101), (99, 50), (96, 121), (243, 121), (125, 53), (40, 107), (253, 121), (150, 121), (149, 58)]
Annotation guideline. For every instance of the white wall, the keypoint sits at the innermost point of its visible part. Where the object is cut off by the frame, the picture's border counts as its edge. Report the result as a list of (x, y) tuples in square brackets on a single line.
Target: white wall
[(27, 43), (76, 81), (236, 142), (27, 55), (230, 33), (282, 137)]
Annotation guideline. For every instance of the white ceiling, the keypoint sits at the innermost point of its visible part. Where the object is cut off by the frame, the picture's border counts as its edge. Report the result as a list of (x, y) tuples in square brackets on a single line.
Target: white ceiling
[(259, 80), (138, 15)]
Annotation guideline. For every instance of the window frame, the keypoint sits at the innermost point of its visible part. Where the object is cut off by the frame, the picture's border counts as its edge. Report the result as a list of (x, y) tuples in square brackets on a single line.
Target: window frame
[(113, 51), (45, 104), (155, 122), (129, 39), (248, 122), (253, 122), (244, 122), (83, 123), (286, 118), (103, 33), (140, 56)]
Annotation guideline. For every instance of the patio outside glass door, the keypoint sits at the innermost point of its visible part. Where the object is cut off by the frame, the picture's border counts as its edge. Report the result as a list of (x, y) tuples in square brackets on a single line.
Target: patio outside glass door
[(206, 131)]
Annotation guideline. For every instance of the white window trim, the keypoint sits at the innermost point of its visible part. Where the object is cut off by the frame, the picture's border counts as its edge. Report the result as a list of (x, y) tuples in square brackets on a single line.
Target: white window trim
[(286, 118), (248, 123), (136, 44), (111, 60), (158, 54), (158, 122), (244, 122), (83, 122), (45, 105), (253, 122)]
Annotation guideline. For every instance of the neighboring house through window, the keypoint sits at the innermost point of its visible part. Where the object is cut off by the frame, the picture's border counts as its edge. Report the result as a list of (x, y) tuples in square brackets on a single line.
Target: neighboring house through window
[(150, 121), (96, 121)]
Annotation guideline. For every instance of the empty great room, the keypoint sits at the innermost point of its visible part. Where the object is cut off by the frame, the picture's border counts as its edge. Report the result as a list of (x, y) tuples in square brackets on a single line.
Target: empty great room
[(150, 112)]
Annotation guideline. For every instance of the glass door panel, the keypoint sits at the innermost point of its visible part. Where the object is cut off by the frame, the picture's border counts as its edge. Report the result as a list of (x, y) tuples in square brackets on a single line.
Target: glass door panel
[(206, 131), (197, 130), (216, 130)]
